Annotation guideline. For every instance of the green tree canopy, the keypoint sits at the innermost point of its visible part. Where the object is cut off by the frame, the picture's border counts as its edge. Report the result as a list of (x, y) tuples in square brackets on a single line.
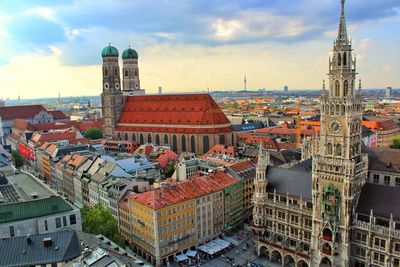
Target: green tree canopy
[(396, 142), (99, 220), (19, 160), (93, 133)]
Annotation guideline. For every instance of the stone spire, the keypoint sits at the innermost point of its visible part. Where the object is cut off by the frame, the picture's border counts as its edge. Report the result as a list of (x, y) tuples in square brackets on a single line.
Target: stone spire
[(342, 38)]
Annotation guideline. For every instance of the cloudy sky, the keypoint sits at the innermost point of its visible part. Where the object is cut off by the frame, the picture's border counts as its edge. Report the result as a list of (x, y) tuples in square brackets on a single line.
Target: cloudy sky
[(51, 46)]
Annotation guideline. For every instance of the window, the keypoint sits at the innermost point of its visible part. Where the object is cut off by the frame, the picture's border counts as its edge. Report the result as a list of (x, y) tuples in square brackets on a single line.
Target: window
[(46, 225), (294, 219), (183, 143), (361, 237), (379, 243), (281, 215), (397, 181), (65, 220), (206, 144), (192, 144), (58, 222), (337, 88), (346, 88), (387, 180), (12, 231), (376, 178), (360, 252), (307, 223), (397, 247), (379, 258), (72, 219), (307, 236), (339, 59)]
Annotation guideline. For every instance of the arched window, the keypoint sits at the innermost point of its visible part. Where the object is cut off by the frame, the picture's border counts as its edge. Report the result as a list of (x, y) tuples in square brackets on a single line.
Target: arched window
[(158, 139), (206, 144), (344, 59), (119, 136), (337, 88), (222, 139), (339, 58), (174, 143), (332, 109), (337, 109), (149, 138), (136, 72), (126, 137), (183, 143), (346, 87), (133, 137), (192, 144), (329, 149), (105, 71), (141, 139), (166, 140), (126, 73), (338, 150)]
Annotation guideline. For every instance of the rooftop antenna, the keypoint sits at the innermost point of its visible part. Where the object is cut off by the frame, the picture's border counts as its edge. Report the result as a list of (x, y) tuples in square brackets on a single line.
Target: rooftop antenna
[(245, 83)]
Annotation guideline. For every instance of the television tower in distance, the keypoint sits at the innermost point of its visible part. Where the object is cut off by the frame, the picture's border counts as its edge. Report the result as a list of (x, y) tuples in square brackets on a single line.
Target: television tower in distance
[(245, 83)]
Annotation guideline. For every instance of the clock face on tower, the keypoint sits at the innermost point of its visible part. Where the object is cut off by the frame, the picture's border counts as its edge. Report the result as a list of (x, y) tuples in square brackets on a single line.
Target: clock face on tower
[(335, 126)]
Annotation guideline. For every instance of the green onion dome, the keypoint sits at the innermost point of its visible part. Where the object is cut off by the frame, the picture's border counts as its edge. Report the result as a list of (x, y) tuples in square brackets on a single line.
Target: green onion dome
[(129, 54), (109, 51)]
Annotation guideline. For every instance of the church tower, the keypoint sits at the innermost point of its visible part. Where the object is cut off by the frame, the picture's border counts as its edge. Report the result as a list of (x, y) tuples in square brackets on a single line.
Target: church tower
[(339, 168), (130, 72), (260, 190), (111, 98)]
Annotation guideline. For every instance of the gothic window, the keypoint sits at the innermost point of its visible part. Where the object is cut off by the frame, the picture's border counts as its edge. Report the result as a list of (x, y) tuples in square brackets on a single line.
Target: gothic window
[(193, 144), (166, 139), (206, 144), (136, 72), (330, 149), (126, 136), (222, 139), (337, 109), (346, 87), (339, 59), (332, 111), (338, 150), (331, 202), (133, 137), (174, 143), (337, 88), (344, 59), (126, 73), (141, 139), (148, 138), (183, 143), (105, 71), (115, 71), (343, 110), (157, 139)]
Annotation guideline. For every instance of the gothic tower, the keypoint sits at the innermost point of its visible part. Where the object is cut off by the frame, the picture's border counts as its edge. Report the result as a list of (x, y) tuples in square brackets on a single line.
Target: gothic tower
[(130, 72), (111, 98), (260, 189), (339, 168)]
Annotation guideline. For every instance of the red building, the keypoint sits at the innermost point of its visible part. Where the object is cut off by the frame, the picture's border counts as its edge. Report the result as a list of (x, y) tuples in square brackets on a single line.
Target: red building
[(186, 122)]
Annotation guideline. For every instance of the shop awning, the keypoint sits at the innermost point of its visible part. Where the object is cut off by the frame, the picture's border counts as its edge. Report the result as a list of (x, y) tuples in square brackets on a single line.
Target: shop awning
[(181, 257), (191, 253)]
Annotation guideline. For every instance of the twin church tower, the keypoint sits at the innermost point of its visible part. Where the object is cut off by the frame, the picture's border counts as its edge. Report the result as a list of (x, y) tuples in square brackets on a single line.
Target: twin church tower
[(113, 95)]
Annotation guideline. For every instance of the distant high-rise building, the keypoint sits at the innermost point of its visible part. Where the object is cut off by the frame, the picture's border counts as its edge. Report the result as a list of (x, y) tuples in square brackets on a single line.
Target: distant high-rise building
[(160, 90), (245, 83), (388, 91), (285, 89), (2, 103)]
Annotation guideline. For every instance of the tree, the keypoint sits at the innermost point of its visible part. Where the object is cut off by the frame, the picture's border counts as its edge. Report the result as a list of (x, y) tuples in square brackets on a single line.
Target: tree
[(169, 170), (93, 133), (396, 142), (19, 160), (99, 220)]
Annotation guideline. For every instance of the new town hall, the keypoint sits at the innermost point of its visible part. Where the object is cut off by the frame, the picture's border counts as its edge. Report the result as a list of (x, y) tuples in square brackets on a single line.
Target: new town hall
[(327, 211)]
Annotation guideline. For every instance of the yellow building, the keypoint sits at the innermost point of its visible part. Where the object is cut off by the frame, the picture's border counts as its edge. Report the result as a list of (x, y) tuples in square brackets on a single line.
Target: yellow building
[(163, 223)]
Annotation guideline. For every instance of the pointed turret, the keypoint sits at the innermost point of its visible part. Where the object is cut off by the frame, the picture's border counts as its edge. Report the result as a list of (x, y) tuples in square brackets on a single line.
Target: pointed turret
[(342, 38)]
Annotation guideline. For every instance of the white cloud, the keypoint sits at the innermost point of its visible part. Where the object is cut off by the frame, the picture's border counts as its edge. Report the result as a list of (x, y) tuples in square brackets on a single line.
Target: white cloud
[(44, 12), (227, 29), (166, 35)]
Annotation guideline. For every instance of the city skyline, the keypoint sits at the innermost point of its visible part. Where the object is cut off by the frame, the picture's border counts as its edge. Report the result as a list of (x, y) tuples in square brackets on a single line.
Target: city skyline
[(200, 47)]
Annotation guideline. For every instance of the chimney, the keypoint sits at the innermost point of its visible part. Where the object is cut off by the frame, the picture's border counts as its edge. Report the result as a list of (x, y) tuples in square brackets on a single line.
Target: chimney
[(47, 242), (29, 239)]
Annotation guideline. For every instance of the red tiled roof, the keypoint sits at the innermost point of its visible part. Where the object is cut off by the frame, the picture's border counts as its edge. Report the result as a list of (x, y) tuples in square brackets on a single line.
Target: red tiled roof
[(186, 190), (58, 114), (175, 130), (20, 112), (182, 109), (285, 131), (242, 166), (380, 125)]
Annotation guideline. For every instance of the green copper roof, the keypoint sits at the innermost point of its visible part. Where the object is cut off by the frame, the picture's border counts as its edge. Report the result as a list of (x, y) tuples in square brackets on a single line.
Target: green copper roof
[(129, 53), (109, 51), (32, 209)]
